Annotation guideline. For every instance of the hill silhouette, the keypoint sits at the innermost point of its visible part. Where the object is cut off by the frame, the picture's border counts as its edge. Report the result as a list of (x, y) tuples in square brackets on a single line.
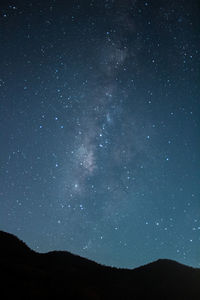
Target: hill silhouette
[(62, 275)]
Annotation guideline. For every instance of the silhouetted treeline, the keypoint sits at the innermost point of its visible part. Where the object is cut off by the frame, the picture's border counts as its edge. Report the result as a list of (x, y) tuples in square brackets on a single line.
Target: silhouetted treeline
[(62, 275)]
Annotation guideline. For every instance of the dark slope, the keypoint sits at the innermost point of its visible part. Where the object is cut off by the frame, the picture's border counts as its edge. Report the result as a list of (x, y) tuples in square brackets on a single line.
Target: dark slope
[(62, 275)]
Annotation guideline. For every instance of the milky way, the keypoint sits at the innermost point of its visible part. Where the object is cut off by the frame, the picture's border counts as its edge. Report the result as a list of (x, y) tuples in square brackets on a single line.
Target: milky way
[(100, 128)]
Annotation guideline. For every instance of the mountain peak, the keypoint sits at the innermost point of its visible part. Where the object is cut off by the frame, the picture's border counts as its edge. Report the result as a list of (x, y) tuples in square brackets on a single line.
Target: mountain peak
[(10, 244)]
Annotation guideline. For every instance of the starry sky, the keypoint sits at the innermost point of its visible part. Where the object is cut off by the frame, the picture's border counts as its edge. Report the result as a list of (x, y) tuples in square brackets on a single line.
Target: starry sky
[(100, 128)]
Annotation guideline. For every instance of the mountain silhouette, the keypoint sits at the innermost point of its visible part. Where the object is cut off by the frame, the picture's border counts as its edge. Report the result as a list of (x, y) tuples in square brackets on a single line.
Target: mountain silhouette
[(26, 274)]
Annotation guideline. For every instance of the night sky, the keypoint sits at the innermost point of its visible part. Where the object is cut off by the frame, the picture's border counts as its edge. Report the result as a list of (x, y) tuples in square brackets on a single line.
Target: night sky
[(100, 128)]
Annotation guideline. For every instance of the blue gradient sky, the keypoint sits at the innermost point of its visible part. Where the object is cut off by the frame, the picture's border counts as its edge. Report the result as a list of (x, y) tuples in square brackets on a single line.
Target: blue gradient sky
[(99, 118)]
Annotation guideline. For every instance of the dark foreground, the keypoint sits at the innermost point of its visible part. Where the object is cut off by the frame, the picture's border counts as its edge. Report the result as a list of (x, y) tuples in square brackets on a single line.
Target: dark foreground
[(62, 275)]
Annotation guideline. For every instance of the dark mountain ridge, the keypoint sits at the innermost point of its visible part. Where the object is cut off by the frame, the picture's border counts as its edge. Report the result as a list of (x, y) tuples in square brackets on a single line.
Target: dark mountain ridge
[(28, 274)]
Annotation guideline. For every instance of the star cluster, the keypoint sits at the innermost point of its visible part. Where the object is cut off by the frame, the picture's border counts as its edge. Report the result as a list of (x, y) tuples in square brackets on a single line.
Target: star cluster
[(100, 128)]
